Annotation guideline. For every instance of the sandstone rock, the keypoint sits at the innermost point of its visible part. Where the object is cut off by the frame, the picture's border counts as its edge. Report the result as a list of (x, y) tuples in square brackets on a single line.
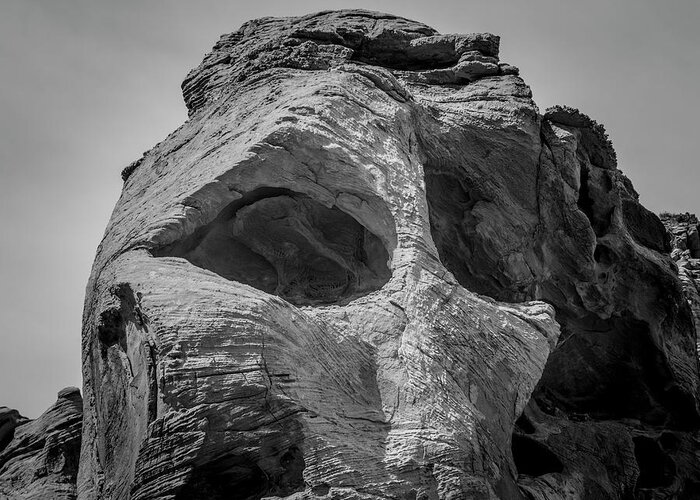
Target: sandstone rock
[(340, 279), (40, 459)]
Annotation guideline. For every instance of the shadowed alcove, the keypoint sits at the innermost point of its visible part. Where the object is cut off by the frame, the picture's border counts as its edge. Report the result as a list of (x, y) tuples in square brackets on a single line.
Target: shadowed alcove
[(287, 244)]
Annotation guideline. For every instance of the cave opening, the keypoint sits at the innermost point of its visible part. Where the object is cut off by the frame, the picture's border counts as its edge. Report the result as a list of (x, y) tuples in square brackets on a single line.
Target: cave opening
[(233, 476), (626, 373), (288, 244), (533, 458)]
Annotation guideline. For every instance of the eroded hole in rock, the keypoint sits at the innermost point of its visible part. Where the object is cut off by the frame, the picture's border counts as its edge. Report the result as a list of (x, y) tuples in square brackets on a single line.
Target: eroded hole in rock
[(626, 375), (669, 441), (111, 330), (656, 469), (395, 54), (604, 255), (112, 323), (290, 245), (237, 477), (525, 425), (453, 229), (224, 479), (321, 489), (534, 458), (591, 201)]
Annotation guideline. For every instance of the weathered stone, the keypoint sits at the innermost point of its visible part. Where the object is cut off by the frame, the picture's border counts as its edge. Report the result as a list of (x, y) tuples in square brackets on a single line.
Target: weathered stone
[(40, 460), (683, 232), (340, 279)]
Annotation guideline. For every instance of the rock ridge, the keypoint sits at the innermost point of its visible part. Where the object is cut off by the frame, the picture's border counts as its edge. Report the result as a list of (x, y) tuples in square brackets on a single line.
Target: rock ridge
[(330, 39)]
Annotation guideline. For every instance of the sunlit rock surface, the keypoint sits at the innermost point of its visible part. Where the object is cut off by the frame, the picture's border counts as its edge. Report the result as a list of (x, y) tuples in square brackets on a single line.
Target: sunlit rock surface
[(39, 458), (368, 267)]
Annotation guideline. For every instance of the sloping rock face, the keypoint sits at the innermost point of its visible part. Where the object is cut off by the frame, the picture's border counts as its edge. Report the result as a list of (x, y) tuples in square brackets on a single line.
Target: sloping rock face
[(368, 267), (39, 458)]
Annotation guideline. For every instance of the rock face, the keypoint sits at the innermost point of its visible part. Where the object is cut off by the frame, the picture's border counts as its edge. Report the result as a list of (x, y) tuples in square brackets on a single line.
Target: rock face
[(683, 230), (368, 267), (39, 458)]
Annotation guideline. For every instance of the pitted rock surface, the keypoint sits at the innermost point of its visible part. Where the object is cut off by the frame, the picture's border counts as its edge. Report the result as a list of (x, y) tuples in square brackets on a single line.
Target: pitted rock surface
[(368, 267)]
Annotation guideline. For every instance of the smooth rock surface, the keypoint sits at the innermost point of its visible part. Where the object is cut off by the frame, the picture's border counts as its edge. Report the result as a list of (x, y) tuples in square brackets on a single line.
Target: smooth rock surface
[(362, 259), (40, 459)]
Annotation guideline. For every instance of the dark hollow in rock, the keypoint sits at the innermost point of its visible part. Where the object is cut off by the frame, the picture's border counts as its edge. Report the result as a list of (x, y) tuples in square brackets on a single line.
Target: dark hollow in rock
[(592, 198), (669, 441), (397, 54), (111, 330), (232, 476), (533, 458), (656, 468), (453, 229), (288, 244), (626, 374), (224, 479), (525, 425)]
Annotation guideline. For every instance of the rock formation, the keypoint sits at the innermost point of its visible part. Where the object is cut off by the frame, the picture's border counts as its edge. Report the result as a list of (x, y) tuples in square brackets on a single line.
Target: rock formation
[(685, 242), (367, 267), (39, 458)]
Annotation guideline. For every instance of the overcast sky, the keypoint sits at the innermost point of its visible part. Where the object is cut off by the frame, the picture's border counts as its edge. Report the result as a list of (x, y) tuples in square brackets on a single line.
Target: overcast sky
[(87, 86)]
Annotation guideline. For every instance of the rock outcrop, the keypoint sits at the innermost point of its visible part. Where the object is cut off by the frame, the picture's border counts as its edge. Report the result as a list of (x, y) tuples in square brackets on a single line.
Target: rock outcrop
[(39, 458), (368, 267), (683, 230)]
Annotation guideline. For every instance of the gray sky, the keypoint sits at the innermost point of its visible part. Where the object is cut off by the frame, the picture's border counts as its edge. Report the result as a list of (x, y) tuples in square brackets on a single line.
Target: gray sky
[(87, 86)]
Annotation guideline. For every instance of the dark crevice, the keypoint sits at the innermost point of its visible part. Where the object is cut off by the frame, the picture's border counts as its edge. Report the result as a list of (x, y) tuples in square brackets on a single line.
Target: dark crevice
[(656, 468), (152, 361), (288, 244), (111, 327), (533, 458), (599, 217), (399, 58)]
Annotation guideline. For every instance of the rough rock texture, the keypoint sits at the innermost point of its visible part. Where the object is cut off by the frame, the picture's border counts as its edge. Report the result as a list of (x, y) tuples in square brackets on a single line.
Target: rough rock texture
[(340, 279), (683, 230), (39, 458)]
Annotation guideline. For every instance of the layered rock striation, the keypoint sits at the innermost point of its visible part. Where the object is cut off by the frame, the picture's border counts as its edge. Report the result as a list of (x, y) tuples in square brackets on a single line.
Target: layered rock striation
[(368, 267), (39, 458)]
